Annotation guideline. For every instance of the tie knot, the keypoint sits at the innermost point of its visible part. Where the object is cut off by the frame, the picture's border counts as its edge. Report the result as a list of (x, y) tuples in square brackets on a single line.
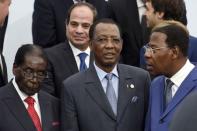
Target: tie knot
[(29, 100), (169, 83), (109, 76), (82, 56)]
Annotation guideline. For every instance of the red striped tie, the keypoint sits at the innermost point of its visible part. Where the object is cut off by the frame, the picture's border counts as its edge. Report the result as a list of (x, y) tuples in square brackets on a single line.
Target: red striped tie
[(32, 112)]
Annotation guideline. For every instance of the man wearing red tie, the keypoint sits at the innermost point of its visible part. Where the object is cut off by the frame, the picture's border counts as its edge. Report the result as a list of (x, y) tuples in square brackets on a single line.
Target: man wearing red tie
[(23, 106)]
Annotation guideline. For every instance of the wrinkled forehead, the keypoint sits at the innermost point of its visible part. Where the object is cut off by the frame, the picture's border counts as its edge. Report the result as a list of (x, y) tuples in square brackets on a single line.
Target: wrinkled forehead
[(107, 29), (157, 39)]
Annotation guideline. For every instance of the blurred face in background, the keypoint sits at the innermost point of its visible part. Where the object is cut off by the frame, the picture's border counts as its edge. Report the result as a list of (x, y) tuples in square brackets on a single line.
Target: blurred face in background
[(4, 9), (153, 18)]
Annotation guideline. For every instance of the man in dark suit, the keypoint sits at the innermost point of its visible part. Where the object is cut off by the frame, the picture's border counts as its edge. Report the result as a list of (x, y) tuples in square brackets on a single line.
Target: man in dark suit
[(4, 9), (185, 117), (92, 101), (166, 56), (125, 13), (49, 19), (23, 106), (64, 58)]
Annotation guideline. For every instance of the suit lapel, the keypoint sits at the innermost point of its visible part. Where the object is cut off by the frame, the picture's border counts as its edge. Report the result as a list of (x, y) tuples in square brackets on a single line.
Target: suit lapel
[(17, 108), (186, 87), (125, 93), (69, 58), (45, 109), (94, 89)]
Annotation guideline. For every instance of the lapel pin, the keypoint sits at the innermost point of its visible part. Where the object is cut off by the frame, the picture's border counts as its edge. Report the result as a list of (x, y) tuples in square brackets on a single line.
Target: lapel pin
[(132, 86)]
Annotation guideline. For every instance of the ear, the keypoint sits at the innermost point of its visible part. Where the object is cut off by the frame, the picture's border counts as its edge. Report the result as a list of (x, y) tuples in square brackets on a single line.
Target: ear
[(15, 69), (160, 15), (175, 52)]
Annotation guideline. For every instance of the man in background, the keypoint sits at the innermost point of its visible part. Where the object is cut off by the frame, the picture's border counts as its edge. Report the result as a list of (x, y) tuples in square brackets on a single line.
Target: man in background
[(49, 19), (160, 10), (125, 13), (72, 56), (4, 9)]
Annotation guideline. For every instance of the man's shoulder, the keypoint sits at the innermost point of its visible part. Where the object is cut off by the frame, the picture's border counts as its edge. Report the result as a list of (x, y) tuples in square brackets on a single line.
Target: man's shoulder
[(48, 96), (6, 90), (131, 69), (59, 46)]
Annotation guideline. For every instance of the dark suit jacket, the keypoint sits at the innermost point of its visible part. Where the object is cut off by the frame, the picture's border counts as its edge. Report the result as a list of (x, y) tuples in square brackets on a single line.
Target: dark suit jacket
[(158, 119), (185, 117), (192, 54), (49, 20), (85, 106), (14, 116), (125, 13), (3, 75), (61, 65)]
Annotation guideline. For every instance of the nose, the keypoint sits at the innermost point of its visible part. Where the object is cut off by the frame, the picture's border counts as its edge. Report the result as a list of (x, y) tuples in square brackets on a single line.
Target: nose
[(79, 29), (109, 43), (147, 53)]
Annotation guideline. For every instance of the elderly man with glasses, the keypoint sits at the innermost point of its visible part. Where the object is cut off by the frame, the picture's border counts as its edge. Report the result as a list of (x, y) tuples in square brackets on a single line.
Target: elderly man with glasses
[(23, 106)]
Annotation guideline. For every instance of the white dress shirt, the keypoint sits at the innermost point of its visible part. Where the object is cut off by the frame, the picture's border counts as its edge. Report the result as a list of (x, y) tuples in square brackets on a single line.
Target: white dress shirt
[(141, 9), (23, 96), (180, 76)]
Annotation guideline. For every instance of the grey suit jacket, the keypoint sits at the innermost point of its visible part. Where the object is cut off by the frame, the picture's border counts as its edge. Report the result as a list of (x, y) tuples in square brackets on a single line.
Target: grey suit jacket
[(85, 106), (185, 117), (61, 65), (14, 115)]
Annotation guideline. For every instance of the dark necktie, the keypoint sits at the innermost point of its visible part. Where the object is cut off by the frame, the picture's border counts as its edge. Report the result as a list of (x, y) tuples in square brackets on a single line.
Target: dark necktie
[(33, 114), (168, 91), (111, 93), (82, 57)]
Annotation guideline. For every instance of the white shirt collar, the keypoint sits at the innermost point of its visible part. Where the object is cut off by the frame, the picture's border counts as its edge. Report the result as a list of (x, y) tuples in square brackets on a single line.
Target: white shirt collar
[(101, 73), (76, 51), (180, 76), (22, 95)]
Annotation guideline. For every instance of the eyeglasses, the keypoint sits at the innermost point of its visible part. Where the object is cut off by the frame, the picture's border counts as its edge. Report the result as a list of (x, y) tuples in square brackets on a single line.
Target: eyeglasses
[(152, 50), (30, 74)]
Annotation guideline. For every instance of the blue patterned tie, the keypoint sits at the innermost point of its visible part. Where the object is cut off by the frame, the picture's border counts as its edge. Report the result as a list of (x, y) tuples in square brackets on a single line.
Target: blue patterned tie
[(168, 91), (82, 57), (111, 93)]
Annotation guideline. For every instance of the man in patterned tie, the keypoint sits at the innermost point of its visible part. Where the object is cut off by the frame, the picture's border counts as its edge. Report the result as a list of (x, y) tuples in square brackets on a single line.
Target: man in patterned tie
[(167, 56), (23, 106), (107, 96)]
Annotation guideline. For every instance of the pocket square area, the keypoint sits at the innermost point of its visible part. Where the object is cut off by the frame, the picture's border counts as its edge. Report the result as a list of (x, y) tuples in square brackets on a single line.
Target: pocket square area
[(55, 123), (134, 99)]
